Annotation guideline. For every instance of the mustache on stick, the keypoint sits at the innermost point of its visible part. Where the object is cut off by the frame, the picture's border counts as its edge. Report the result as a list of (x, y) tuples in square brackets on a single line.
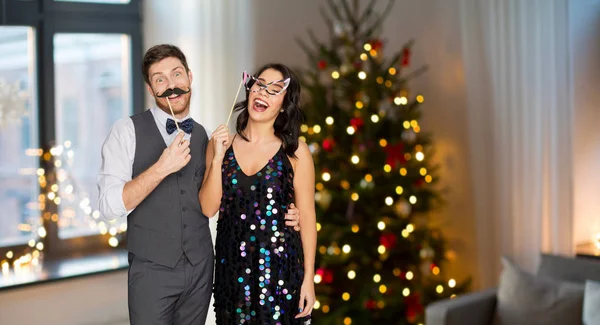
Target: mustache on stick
[(171, 91)]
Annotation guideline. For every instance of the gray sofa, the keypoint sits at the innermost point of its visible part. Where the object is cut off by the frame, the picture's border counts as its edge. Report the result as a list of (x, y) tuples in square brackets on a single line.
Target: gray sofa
[(479, 308)]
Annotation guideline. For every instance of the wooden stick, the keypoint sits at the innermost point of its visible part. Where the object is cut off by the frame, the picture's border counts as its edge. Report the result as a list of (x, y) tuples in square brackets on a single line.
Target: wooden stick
[(234, 101), (174, 119)]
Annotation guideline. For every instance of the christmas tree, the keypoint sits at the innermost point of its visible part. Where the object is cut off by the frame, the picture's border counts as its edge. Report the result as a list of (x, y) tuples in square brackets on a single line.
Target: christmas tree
[(378, 260)]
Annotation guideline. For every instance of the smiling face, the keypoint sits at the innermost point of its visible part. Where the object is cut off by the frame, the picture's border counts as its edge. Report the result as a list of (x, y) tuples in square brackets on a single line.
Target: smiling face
[(262, 106), (170, 73)]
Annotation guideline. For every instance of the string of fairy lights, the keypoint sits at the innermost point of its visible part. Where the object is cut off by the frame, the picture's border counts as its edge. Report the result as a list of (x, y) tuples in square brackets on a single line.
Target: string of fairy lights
[(71, 202)]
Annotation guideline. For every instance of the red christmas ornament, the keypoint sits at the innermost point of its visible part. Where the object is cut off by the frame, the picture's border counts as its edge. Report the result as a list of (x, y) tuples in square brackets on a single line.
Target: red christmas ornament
[(357, 122), (413, 307), (411, 314), (327, 276), (370, 304), (376, 44), (388, 240), (395, 155), (419, 182), (357, 65), (328, 144), (322, 64), (406, 57)]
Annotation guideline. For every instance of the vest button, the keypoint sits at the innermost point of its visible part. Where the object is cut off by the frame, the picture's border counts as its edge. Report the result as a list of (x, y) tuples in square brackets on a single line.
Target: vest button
[(184, 226), (182, 192), (184, 209)]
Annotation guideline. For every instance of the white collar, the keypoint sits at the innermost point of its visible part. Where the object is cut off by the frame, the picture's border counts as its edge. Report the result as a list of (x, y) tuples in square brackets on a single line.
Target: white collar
[(162, 117)]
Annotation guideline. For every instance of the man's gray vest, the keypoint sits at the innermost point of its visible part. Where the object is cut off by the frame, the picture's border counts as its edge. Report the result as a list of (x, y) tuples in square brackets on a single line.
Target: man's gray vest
[(169, 222)]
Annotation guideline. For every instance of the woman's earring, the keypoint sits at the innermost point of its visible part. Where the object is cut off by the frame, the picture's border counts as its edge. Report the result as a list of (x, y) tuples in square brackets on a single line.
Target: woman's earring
[(281, 110)]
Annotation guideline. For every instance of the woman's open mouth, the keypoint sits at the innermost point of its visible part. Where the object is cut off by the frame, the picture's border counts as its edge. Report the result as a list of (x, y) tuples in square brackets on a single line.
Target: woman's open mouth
[(260, 105)]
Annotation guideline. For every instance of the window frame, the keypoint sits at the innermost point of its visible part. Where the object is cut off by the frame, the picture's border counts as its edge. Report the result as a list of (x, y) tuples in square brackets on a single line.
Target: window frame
[(49, 17)]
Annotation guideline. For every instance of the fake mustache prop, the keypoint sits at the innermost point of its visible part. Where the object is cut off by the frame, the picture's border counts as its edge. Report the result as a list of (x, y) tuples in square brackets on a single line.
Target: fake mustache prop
[(169, 92)]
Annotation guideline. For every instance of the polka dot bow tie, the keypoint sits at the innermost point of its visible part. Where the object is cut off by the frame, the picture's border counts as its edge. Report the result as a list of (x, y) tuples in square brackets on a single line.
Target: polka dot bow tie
[(186, 126)]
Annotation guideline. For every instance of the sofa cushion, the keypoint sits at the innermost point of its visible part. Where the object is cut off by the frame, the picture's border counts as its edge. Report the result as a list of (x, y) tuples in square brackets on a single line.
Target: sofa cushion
[(526, 299), (569, 268), (591, 301)]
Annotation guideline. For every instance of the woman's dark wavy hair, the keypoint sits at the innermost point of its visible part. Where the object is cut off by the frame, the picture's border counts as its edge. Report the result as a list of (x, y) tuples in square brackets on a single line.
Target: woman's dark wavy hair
[(287, 124)]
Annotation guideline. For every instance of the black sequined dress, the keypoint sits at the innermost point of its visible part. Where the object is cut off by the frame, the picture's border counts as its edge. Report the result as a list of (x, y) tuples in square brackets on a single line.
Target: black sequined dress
[(259, 260)]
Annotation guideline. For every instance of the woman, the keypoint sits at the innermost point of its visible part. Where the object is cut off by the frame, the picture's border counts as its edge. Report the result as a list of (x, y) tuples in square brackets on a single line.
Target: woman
[(264, 270)]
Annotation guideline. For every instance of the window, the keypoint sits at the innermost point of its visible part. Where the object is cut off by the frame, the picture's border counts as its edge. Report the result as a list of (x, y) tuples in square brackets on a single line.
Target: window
[(68, 71), (98, 65), (19, 188), (115, 110)]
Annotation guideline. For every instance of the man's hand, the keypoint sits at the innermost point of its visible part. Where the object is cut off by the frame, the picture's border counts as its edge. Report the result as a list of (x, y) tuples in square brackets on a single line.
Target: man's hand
[(292, 217), (174, 157)]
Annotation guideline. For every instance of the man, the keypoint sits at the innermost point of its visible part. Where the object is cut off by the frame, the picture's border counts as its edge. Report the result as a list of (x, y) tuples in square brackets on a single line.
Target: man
[(152, 175)]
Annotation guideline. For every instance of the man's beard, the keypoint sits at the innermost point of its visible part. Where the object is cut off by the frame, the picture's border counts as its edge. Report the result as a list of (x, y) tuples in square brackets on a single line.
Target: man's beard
[(176, 108)]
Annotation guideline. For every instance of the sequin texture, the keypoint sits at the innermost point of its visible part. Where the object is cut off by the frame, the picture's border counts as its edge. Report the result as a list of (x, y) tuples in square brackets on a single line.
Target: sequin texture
[(259, 269)]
